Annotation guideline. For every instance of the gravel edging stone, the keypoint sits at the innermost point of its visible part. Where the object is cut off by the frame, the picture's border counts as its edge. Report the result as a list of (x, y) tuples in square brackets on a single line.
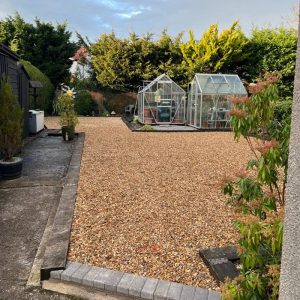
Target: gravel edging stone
[(131, 285)]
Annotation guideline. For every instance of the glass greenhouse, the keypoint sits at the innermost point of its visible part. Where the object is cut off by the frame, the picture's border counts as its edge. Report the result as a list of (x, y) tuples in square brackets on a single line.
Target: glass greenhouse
[(161, 101), (208, 99)]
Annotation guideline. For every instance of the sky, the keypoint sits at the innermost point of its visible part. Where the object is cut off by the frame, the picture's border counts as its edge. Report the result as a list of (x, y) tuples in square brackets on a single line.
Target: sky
[(93, 17)]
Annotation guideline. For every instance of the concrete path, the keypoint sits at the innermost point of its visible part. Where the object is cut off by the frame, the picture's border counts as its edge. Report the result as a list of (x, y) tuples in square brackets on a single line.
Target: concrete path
[(25, 206)]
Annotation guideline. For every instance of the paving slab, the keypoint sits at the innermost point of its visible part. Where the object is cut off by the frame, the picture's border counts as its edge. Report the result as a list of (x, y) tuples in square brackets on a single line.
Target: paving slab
[(224, 270), (25, 205), (220, 262), (229, 252), (55, 256)]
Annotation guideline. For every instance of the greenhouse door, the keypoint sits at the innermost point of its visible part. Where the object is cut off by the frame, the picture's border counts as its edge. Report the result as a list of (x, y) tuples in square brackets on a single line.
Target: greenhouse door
[(164, 112), (193, 107)]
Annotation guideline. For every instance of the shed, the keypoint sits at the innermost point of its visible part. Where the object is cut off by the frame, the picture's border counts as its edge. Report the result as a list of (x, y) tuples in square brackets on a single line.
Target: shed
[(161, 101), (208, 99), (10, 66)]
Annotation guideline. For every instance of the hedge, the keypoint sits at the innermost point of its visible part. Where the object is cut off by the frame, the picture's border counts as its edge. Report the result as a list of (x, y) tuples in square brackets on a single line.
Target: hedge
[(46, 93)]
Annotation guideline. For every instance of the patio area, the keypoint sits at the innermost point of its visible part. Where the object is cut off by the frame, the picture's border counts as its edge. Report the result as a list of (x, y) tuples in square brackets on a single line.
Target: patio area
[(147, 202)]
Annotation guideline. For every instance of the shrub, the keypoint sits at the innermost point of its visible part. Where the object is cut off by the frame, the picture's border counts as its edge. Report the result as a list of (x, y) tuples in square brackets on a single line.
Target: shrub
[(105, 114), (258, 191), (11, 123), (64, 106), (84, 104), (147, 128), (46, 93)]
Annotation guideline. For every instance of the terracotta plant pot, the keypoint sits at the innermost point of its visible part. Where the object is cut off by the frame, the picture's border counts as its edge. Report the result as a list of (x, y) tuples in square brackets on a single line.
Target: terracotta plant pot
[(148, 120), (11, 169), (147, 113)]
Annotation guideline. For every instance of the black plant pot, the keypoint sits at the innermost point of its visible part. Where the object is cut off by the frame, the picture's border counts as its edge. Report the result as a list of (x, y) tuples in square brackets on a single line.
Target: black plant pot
[(12, 169), (68, 133)]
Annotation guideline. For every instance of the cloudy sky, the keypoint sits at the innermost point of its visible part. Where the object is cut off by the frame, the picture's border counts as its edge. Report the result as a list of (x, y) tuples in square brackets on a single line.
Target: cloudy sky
[(93, 17)]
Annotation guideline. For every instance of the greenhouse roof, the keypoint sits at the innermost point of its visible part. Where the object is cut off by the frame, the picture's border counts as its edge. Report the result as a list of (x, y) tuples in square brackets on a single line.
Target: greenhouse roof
[(220, 84), (163, 78)]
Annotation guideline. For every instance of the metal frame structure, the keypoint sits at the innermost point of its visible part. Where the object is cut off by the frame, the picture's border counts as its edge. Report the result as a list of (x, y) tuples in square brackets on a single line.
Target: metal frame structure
[(161, 101), (208, 99)]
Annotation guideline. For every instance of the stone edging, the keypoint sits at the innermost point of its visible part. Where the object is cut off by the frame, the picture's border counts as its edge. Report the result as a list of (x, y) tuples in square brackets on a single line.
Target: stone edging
[(55, 256), (130, 285)]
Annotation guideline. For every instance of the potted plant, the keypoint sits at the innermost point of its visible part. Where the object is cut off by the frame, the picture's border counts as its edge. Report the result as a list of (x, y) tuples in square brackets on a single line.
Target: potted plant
[(68, 118), (11, 127)]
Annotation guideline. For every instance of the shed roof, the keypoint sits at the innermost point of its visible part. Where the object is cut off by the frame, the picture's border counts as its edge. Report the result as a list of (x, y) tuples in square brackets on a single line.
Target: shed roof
[(6, 51), (226, 84)]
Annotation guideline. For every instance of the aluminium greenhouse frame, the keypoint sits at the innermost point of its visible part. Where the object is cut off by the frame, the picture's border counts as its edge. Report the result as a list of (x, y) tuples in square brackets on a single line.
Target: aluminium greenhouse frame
[(208, 100), (161, 101)]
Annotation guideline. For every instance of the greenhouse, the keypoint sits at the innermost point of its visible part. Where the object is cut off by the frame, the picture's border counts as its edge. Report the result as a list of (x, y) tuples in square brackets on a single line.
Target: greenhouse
[(208, 99), (161, 101)]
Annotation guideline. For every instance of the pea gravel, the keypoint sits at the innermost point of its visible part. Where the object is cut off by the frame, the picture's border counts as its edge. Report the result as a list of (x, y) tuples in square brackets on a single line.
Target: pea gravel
[(147, 202)]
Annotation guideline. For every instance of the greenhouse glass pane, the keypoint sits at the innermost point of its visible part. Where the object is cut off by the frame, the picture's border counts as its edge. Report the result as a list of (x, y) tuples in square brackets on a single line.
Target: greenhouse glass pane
[(220, 84), (218, 79)]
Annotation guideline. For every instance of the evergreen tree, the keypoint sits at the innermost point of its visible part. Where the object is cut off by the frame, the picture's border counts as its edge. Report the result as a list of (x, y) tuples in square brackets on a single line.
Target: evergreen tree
[(215, 52), (273, 49), (46, 46), (124, 63)]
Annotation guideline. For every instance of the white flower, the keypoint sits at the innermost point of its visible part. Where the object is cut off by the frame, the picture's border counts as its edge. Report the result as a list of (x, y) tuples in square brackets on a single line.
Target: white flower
[(68, 91)]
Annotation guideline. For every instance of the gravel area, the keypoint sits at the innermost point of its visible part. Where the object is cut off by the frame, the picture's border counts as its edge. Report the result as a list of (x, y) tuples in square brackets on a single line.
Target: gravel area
[(147, 202)]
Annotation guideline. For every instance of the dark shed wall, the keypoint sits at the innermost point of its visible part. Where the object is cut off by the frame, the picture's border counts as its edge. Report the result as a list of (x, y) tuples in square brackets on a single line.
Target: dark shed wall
[(23, 90), (3, 64), (19, 79), (12, 72)]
